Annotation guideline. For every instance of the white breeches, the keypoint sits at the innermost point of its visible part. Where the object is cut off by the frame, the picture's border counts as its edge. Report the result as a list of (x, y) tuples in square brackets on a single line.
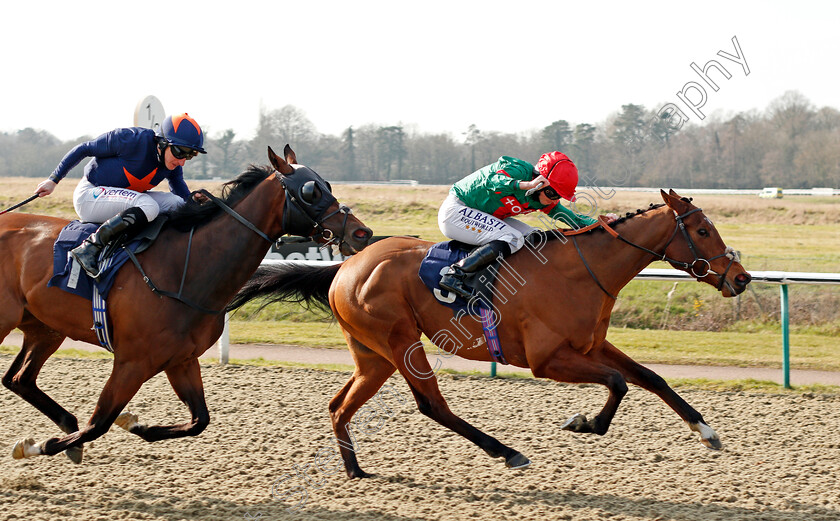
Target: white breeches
[(462, 223), (97, 204)]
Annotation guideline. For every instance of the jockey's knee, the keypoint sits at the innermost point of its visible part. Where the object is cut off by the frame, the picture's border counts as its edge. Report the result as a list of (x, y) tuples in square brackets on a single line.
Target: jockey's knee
[(149, 206)]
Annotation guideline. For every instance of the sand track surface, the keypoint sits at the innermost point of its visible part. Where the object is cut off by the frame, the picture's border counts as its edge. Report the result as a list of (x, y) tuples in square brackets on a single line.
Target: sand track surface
[(780, 460)]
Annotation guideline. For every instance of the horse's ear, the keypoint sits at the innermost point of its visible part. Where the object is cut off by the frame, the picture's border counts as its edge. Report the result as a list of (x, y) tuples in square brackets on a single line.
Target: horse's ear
[(278, 163), (673, 200), (290, 155)]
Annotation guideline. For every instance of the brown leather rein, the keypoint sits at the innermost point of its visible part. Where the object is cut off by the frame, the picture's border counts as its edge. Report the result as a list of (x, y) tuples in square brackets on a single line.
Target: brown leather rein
[(689, 267)]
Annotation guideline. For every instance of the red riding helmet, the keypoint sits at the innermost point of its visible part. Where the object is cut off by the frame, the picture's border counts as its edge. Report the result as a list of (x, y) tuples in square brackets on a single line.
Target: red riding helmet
[(561, 173), (182, 130)]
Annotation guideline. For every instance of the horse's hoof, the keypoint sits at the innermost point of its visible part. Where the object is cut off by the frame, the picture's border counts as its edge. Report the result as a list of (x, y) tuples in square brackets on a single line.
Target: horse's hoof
[(708, 436), (127, 420), (517, 461), (359, 474), (574, 423), (75, 454), (25, 449)]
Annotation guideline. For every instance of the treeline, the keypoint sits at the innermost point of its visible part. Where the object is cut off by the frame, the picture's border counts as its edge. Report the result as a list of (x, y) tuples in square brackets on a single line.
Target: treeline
[(791, 144)]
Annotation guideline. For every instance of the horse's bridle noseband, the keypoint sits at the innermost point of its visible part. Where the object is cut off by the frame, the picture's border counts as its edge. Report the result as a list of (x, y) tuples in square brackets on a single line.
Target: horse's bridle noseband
[(317, 223), (690, 267)]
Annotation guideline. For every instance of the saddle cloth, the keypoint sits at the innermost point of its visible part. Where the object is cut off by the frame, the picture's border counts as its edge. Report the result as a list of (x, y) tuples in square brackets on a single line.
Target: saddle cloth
[(70, 277), (437, 262)]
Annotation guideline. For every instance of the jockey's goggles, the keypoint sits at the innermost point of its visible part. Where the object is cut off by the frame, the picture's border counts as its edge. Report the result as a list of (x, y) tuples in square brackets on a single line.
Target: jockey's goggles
[(179, 152), (551, 193)]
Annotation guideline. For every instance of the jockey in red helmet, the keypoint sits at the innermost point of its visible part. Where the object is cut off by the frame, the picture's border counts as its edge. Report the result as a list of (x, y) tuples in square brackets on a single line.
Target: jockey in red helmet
[(116, 188), (480, 209)]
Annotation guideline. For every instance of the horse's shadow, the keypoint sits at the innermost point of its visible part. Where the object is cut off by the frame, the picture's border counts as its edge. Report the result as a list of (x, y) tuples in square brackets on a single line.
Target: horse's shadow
[(615, 505), (165, 506)]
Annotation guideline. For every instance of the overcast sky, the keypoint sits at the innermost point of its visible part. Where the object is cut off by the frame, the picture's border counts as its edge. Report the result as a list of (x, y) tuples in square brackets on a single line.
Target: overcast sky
[(77, 68)]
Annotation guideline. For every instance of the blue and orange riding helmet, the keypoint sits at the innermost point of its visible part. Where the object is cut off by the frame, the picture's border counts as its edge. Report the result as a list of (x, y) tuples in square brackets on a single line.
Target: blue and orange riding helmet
[(183, 131)]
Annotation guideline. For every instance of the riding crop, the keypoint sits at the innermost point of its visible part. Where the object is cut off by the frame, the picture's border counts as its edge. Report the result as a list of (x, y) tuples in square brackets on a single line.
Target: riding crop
[(30, 199)]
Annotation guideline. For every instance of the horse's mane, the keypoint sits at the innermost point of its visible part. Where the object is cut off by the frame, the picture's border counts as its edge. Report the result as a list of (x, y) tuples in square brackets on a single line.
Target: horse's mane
[(596, 229), (194, 214)]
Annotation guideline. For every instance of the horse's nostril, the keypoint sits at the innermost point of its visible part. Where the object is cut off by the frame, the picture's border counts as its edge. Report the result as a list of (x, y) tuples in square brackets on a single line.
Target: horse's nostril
[(363, 234)]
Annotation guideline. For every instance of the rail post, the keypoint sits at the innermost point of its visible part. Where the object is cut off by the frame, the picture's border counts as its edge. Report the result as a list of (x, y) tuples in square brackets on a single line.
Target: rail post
[(785, 335), (224, 342)]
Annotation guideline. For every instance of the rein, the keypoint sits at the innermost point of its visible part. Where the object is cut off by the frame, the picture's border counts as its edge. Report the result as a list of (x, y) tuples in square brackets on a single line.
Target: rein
[(322, 233), (687, 266), (179, 296)]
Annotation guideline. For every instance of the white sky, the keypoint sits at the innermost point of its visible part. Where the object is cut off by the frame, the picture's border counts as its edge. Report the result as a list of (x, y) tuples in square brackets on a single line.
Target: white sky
[(76, 68)]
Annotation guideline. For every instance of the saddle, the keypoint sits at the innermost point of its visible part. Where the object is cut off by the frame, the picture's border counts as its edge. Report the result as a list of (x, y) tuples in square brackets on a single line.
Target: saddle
[(437, 262), (69, 276)]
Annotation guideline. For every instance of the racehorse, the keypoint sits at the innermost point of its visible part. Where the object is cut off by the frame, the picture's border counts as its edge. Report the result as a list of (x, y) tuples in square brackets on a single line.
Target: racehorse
[(554, 321), (153, 333)]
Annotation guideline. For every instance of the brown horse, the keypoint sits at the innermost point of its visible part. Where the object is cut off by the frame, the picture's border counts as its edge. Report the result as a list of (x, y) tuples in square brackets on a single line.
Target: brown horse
[(554, 321), (153, 333)]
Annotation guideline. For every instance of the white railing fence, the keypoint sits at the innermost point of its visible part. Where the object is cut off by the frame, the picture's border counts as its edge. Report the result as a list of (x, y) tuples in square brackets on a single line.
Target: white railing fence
[(782, 278)]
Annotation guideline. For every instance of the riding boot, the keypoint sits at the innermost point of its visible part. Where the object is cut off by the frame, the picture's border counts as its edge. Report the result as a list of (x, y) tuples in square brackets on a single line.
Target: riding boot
[(125, 224), (453, 280)]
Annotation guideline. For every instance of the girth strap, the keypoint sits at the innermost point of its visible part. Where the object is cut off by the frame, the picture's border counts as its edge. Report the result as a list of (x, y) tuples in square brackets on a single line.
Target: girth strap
[(177, 296)]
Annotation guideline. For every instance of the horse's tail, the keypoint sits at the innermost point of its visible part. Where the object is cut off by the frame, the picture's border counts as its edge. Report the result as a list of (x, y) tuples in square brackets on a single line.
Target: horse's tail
[(293, 282)]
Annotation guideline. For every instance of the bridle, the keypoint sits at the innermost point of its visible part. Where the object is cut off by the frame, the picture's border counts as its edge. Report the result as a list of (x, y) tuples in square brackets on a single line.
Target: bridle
[(316, 223), (705, 265)]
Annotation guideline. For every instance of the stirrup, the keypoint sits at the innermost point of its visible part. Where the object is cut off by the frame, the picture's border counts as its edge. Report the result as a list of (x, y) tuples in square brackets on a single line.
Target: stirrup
[(456, 287), (93, 269)]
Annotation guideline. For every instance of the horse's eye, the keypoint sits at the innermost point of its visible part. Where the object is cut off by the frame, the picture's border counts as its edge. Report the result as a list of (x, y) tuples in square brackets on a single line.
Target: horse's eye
[(309, 192), (702, 232)]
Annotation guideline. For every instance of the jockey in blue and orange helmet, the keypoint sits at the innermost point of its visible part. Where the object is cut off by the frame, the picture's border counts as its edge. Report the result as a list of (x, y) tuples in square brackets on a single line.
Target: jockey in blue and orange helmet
[(116, 189)]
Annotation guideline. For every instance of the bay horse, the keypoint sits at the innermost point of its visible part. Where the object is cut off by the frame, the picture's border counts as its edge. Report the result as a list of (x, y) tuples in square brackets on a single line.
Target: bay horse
[(153, 333), (555, 322)]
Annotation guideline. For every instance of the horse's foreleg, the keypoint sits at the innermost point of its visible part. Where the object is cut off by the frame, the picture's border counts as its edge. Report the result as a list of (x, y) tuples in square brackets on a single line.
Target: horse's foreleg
[(39, 343), (414, 366), (186, 381), (122, 385), (568, 365), (640, 375), (372, 370)]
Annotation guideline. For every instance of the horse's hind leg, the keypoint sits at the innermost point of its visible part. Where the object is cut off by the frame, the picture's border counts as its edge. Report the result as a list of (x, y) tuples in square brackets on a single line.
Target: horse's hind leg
[(568, 365), (39, 343), (414, 366), (186, 381), (372, 370), (640, 375)]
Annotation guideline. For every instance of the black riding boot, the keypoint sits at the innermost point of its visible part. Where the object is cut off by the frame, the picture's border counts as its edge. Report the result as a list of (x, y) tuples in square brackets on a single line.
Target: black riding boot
[(453, 280), (127, 223)]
